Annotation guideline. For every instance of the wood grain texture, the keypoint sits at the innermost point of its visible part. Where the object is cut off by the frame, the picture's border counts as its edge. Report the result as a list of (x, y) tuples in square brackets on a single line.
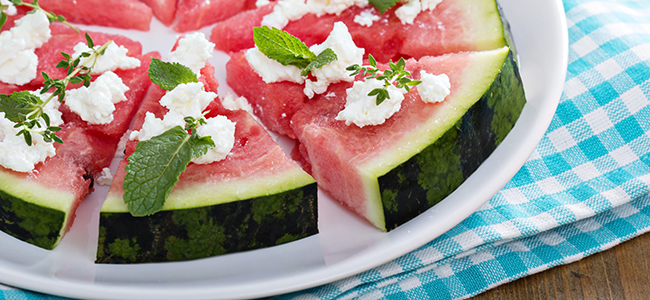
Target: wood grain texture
[(622, 272)]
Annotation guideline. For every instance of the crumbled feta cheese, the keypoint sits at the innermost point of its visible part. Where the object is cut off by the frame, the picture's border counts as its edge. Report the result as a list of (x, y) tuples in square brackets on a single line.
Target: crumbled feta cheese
[(407, 12), (231, 102), (20, 68), (121, 145), (34, 29), (363, 110), (95, 104), (15, 154), (115, 57), (260, 3), (291, 10), (153, 126), (11, 9), (340, 41), (433, 88), (105, 178), (430, 4), (193, 51), (222, 132), (17, 59), (366, 17), (271, 70), (188, 99)]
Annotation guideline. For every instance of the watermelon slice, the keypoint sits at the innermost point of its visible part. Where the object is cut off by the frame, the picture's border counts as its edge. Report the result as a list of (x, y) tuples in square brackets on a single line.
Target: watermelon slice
[(454, 26), (38, 207), (127, 14), (257, 197), (163, 10), (392, 172)]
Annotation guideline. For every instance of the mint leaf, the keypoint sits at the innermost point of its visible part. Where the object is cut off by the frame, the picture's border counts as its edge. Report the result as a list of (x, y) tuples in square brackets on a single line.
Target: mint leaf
[(325, 57), (18, 105), (155, 166), (383, 5), (3, 17), (282, 47), (169, 75)]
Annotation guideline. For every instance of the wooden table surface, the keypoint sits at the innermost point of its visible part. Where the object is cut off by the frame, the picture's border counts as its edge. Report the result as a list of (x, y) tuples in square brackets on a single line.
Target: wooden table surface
[(622, 272)]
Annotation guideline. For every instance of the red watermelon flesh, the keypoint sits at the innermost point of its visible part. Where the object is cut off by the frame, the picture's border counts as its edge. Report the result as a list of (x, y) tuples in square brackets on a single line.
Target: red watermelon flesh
[(344, 158), (274, 103), (163, 10), (127, 14), (454, 26), (194, 14), (236, 33)]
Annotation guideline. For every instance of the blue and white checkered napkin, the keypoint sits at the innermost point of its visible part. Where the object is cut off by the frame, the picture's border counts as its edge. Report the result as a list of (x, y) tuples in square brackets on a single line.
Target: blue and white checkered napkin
[(583, 190)]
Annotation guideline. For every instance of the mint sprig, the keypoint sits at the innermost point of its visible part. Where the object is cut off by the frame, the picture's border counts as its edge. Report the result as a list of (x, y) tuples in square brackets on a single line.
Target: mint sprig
[(287, 49), (169, 75), (155, 167), (396, 75), (383, 5)]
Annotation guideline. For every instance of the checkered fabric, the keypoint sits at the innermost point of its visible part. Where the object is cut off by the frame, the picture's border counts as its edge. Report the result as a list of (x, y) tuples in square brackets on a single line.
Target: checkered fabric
[(583, 190)]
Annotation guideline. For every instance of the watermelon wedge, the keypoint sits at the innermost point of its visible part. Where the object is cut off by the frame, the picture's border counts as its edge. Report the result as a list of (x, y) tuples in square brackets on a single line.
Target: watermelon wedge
[(127, 14), (257, 197), (454, 26), (38, 207), (392, 172)]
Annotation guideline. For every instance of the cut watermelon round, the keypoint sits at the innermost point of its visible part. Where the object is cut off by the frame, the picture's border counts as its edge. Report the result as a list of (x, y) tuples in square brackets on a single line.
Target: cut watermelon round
[(194, 14), (392, 172), (257, 197), (163, 10)]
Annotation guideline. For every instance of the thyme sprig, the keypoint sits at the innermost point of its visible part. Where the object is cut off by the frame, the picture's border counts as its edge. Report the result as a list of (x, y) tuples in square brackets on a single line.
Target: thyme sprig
[(27, 110), (395, 76), (52, 17)]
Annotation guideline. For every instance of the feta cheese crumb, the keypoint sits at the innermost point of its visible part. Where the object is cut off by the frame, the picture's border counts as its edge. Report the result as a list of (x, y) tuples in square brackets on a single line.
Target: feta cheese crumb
[(222, 132), (17, 59), (291, 10), (51, 108), (153, 126), (188, 99), (231, 102), (15, 154), (121, 145), (193, 51), (366, 17), (340, 41), (11, 9), (433, 88), (430, 4), (407, 12), (95, 104), (271, 70), (260, 3), (362, 110), (115, 57), (105, 178)]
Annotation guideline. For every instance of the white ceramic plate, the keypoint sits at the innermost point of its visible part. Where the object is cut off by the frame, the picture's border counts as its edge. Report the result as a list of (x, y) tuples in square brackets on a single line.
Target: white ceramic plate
[(345, 245)]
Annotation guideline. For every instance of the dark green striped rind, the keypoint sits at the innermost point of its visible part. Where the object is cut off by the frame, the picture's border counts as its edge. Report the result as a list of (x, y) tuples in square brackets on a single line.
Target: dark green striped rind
[(185, 234), (30, 222), (428, 177)]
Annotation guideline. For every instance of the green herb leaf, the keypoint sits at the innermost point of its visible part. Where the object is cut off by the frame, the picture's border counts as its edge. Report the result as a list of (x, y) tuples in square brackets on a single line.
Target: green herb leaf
[(169, 75), (3, 18), (383, 5), (18, 105), (325, 57), (282, 47), (155, 166)]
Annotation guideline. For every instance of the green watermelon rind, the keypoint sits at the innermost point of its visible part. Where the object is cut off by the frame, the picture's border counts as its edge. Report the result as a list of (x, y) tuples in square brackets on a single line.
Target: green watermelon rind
[(205, 231), (382, 194), (428, 177), (33, 213)]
